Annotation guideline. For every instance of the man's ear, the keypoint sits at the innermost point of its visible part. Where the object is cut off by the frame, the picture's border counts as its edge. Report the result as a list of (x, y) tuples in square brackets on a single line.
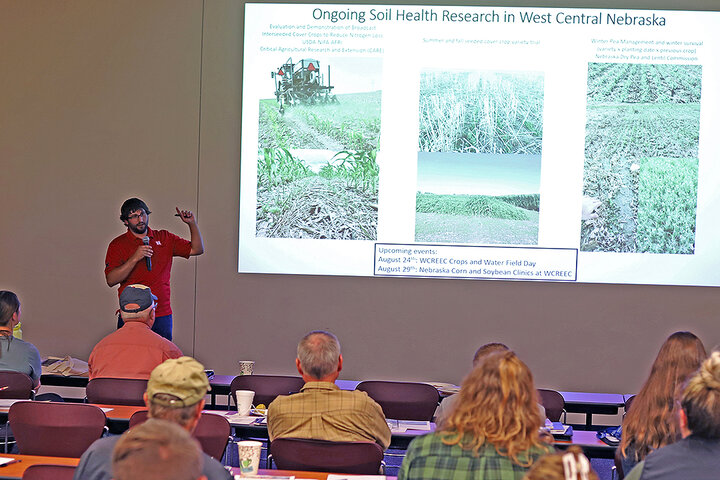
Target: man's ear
[(299, 368), (340, 360), (683, 423), (146, 400)]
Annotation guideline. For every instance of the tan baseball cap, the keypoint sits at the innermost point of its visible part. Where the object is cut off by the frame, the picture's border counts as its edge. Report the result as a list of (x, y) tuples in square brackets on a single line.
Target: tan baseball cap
[(183, 378)]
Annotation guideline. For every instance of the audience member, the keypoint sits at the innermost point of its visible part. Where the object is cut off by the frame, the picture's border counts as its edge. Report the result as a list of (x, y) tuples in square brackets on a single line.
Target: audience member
[(15, 354), (697, 455), (175, 392), (321, 410), (492, 433), (133, 350), (571, 464), (649, 424), (448, 403), (157, 450)]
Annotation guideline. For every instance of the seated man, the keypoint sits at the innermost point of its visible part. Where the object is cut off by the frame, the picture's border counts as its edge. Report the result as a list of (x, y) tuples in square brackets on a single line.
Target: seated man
[(697, 455), (321, 410), (449, 402), (133, 350), (175, 392), (157, 450)]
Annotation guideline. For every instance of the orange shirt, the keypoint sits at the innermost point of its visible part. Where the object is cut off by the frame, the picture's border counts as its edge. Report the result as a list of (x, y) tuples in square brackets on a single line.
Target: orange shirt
[(130, 352)]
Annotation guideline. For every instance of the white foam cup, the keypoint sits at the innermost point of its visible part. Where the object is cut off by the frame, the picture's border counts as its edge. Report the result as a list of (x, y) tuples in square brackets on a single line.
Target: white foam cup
[(244, 399)]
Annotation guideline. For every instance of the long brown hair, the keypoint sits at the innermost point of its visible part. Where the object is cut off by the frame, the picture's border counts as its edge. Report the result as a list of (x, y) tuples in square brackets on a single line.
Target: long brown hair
[(650, 424), (497, 405)]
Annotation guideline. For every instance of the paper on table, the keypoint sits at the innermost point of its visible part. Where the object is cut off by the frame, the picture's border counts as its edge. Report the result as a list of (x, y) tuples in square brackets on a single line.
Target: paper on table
[(414, 425), (394, 427), (245, 419), (6, 461)]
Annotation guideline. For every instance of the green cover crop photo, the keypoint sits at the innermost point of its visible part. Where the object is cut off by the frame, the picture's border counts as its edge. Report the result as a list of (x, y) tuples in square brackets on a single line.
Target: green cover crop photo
[(303, 199), (478, 199), (481, 112), (641, 158)]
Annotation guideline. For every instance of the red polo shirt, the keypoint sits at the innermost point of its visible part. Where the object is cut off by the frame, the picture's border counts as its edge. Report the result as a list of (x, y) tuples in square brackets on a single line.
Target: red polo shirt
[(165, 246)]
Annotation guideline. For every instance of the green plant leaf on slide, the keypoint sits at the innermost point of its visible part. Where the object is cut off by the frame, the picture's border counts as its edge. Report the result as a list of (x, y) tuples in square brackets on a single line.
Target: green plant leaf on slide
[(667, 205)]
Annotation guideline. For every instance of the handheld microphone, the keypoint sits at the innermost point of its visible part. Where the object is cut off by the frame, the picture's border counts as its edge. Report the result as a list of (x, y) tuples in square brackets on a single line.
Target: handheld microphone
[(148, 262)]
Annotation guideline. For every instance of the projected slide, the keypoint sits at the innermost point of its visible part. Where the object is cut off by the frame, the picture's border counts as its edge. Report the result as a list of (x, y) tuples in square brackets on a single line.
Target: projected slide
[(545, 144)]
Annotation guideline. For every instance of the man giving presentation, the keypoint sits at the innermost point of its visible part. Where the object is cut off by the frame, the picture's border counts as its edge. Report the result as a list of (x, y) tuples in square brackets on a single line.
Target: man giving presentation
[(143, 255)]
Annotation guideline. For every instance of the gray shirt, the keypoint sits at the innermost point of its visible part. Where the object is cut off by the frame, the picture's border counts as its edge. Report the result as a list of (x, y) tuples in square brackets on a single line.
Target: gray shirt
[(96, 463), (19, 356)]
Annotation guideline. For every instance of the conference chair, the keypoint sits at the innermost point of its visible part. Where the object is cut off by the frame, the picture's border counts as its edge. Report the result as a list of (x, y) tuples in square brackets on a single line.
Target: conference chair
[(403, 400), (16, 385), (116, 391), (628, 402), (553, 402), (266, 387), (361, 458), (55, 429), (212, 431), (41, 471)]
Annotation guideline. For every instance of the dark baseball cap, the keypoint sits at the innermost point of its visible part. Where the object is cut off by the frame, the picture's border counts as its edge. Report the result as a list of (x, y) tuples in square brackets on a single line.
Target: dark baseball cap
[(136, 298)]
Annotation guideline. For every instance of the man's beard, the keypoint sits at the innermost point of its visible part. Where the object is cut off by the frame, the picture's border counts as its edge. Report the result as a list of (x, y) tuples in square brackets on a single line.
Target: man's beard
[(139, 231)]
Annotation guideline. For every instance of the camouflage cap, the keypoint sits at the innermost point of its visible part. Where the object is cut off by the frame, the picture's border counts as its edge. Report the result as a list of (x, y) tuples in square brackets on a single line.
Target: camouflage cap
[(183, 378)]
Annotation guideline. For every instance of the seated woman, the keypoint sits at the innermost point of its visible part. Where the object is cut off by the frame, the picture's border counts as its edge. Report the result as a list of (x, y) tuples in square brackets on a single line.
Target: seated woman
[(492, 432), (697, 454), (15, 354), (650, 423)]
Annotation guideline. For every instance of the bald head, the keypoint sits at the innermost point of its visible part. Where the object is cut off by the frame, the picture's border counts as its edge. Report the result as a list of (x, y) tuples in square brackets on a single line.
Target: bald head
[(318, 354)]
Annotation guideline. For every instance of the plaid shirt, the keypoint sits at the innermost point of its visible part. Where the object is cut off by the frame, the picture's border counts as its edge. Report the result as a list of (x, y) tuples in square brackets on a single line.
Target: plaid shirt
[(324, 412), (429, 458)]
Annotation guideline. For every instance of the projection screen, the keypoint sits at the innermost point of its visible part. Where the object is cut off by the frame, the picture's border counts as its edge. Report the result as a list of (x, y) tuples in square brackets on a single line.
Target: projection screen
[(545, 144)]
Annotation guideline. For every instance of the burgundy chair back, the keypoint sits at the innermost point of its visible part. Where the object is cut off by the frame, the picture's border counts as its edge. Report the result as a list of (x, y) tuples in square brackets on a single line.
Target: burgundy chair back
[(553, 402), (55, 429), (116, 391), (41, 471), (18, 385), (403, 400), (266, 387), (212, 431), (362, 458)]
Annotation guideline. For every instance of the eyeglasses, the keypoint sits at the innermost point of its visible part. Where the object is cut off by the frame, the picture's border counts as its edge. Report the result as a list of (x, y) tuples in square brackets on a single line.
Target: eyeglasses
[(136, 216)]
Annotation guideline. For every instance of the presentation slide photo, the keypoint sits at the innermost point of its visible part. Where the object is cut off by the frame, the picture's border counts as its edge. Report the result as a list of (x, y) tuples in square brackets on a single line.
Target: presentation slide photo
[(641, 158), (481, 112), (317, 173), (478, 198)]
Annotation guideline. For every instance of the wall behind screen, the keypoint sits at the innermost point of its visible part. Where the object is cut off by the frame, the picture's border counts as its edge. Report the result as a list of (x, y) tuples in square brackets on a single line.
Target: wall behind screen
[(114, 99)]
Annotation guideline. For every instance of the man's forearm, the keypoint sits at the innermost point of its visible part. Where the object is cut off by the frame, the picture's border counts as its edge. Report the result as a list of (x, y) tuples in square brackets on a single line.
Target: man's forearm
[(196, 241), (117, 275)]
